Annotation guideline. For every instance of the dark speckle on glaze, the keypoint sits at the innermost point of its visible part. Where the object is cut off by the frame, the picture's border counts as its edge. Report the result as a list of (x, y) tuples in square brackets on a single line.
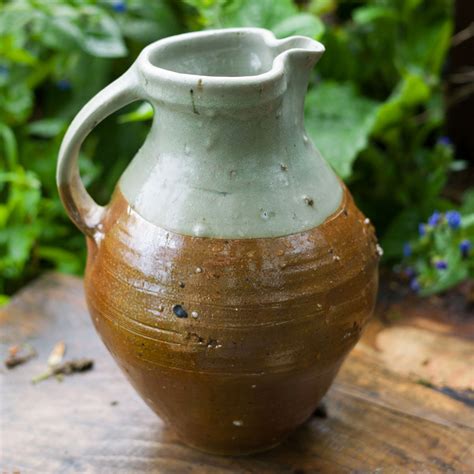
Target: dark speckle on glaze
[(179, 311)]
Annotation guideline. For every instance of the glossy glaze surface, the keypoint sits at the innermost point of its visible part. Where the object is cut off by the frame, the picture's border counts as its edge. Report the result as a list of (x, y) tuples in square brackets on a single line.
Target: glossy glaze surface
[(233, 342), (231, 272), (227, 155)]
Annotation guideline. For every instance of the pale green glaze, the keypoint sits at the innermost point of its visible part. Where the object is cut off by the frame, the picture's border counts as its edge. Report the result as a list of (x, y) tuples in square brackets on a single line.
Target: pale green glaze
[(227, 154)]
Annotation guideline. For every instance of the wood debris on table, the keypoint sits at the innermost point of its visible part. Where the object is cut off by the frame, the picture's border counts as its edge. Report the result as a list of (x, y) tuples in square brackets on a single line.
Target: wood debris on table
[(19, 354), (57, 354), (58, 368), (66, 368)]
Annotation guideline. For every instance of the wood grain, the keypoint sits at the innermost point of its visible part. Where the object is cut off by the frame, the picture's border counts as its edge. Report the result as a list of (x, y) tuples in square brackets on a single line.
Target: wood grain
[(378, 420)]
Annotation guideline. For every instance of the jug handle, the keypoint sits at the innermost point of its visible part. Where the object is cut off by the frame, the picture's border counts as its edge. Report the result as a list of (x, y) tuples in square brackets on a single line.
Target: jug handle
[(81, 208)]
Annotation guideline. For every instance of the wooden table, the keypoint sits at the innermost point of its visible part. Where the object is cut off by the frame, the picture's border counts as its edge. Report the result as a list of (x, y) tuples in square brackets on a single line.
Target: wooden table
[(401, 402)]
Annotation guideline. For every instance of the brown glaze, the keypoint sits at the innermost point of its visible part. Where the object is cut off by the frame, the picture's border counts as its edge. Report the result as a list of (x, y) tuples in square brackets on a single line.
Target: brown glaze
[(232, 342)]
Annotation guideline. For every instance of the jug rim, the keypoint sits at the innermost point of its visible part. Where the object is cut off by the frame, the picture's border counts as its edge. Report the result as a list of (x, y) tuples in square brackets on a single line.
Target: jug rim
[(282, 47), (168, 85)]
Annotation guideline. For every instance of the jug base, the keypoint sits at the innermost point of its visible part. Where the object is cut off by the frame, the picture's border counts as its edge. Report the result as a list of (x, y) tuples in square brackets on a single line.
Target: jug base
[(236, 452)]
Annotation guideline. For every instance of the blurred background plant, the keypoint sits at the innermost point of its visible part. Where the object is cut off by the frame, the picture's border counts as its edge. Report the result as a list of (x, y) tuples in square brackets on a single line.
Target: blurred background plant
[(375, 109), (441, 256)]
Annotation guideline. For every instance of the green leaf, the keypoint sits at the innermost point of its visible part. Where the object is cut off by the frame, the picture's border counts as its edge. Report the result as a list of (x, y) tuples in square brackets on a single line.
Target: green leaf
[(10, 148), (402, 229), (143, 112), (264, 13), (468, 202), (424, 47), (282, 16), (410, 92), (467, 221), (63, 260), (20, 242), (339, 121), (148, 21), (369, 14), (104, 39), (9, 50), (4, 299), (321, 7), (16, 103), (58, 33), (14, 17), (46, 128), (301, 24), (456, 272)]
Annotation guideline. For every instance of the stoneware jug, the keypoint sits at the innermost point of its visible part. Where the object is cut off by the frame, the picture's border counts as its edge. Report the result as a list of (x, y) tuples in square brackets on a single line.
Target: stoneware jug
[(231, 272)]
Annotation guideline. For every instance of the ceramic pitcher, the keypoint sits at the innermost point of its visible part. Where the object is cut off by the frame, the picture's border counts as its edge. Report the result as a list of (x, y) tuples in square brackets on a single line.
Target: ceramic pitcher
[(231, 272)]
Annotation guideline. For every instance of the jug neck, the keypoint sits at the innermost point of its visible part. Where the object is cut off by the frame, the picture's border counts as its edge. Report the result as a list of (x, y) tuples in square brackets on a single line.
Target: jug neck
[(226, 134), (227, 155), (257, 101)]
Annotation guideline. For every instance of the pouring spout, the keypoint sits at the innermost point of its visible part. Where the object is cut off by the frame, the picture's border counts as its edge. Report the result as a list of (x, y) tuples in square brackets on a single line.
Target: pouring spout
[(300, 50), (298, 55)]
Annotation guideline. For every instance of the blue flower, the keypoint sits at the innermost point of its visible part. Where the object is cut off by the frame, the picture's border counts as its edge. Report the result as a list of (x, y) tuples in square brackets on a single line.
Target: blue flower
[(453, 218), (441, 264), (465, 247), (421, 229), (119, 7), (410, 272), (63, 85), (415, 285), (445, 141), (407, 250), (434, 219)]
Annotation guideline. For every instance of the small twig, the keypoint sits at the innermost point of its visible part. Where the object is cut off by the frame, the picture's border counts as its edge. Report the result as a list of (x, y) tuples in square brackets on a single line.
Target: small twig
[(461, 94), (463, 35), (462, 77), (57, 354), (66, 368), (16, 358)]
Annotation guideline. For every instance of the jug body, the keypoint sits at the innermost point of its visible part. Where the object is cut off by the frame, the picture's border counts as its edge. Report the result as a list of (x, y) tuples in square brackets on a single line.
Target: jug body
[(231, 273)]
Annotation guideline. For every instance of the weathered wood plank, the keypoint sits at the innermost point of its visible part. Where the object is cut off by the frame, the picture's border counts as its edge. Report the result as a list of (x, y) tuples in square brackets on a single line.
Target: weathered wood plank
[(364, 376), (377, 419)]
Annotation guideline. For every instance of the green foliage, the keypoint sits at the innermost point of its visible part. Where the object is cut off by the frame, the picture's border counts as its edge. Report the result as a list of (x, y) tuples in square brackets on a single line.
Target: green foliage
[(339, 121), (281, 16), (53, 57), (443, 254), (374, 107), (392, 51)]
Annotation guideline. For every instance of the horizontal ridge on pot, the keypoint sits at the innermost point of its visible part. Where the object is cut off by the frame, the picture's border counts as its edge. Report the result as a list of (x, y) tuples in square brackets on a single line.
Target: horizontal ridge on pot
[(273, 313)]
